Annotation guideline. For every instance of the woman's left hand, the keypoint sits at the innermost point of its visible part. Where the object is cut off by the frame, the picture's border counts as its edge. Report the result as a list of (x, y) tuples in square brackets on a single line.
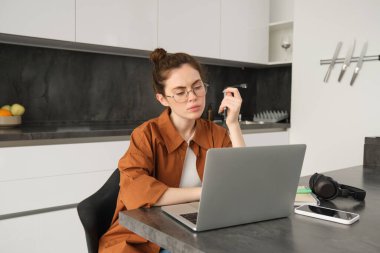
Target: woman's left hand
[(232, 100)]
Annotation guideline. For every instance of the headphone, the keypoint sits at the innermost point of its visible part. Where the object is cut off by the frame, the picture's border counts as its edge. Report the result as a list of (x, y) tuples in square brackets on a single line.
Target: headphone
[(327, 188)]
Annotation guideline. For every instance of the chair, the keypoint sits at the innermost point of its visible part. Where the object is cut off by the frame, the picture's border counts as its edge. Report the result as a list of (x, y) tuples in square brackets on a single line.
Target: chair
[(96, 211)]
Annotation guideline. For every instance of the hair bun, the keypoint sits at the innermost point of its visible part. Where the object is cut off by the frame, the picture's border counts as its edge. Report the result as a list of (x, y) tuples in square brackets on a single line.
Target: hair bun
[(157, 55)]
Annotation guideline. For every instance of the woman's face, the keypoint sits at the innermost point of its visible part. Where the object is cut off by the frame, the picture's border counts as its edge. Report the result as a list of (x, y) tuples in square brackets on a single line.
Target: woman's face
[(180, 81)]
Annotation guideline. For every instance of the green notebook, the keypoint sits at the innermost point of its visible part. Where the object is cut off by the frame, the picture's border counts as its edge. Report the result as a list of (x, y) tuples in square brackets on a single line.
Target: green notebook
[(303, 189), (305, 196)]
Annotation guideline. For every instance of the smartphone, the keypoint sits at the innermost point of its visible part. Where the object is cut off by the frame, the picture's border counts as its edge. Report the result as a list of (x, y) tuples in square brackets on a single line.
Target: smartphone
[(329, 214)]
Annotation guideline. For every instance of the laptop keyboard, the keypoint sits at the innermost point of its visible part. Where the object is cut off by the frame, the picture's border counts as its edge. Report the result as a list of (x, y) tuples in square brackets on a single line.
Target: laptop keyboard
[(192, 217)]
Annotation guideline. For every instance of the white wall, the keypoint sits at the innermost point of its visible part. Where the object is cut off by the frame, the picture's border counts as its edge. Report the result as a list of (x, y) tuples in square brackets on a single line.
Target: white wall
[(333, 118)]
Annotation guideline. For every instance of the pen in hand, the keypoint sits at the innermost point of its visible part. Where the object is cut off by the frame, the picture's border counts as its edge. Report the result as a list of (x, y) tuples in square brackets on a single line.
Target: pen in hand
[(225, 110), (242, 85)]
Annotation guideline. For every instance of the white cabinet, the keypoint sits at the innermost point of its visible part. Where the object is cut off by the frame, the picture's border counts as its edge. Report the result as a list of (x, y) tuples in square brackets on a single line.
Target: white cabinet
[(266, 139), (221, 29), (214, 29), (190, 26), (52, 19), (281, 10), (36, 177), (119, 23), (244, 30), (58, 232)]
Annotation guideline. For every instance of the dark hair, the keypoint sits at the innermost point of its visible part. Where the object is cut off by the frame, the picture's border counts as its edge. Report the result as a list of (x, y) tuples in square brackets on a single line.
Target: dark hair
[(163, 63)]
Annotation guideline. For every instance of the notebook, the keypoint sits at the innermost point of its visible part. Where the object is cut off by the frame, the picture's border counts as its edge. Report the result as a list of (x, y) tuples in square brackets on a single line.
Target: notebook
[(304, 196)]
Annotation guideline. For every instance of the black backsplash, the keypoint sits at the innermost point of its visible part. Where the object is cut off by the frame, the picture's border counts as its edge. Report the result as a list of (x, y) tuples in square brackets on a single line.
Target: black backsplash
[(69, 87)]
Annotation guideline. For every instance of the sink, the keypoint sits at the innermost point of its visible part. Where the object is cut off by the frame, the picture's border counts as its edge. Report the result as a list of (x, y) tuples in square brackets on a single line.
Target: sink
[(244, 122), (248, 122)]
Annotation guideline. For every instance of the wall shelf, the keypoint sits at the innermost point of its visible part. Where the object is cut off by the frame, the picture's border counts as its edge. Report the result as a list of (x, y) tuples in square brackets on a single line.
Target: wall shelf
[(275, 26), (279, 63), (278, 33)]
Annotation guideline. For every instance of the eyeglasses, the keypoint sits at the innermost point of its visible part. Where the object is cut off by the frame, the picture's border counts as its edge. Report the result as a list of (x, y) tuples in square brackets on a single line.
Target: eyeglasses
[(181, 95)]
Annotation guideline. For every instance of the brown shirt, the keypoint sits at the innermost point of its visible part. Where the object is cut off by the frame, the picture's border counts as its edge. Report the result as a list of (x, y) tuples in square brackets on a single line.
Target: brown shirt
[(152, 164)]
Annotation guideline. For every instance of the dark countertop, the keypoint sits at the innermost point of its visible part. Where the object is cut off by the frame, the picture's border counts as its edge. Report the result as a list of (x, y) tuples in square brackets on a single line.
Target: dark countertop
[(55, 132), (41, 132), (296, 233)]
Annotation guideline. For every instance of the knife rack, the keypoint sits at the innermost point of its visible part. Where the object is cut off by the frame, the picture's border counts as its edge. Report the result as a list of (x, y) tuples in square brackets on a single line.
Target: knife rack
[(353, 59)]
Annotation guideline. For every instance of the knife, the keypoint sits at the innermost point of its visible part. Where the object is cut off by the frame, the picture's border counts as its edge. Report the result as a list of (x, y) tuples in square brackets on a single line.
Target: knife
[(359, 64), (337, 49), (347, 61)]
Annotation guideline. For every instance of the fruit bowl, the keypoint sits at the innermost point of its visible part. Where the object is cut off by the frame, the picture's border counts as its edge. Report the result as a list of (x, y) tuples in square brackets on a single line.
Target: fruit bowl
[(9, 121)]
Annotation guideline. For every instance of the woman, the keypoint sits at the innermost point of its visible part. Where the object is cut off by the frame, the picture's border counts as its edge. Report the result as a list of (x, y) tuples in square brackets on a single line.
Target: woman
[(165, 160)]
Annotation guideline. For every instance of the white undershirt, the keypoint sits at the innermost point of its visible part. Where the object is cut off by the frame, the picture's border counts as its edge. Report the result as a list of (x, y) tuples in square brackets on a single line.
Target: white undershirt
[(190, 177)]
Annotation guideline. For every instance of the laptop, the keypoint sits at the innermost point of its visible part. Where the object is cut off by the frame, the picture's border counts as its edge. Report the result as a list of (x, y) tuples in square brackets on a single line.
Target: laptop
[(243, 185)]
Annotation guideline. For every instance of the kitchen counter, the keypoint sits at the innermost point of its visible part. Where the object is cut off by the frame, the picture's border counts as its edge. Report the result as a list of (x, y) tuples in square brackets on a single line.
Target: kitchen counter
[(34, 135)]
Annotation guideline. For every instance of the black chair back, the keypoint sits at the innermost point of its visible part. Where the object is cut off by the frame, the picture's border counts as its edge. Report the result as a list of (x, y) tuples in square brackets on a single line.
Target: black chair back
[(96, 211)]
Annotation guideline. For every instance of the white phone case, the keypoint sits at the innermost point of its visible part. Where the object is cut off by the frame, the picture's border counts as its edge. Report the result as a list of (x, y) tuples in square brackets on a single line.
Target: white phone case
[(329, 218)]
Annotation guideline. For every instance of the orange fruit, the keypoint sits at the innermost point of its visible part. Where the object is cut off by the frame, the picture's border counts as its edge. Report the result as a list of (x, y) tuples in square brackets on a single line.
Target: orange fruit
[(5, 112)]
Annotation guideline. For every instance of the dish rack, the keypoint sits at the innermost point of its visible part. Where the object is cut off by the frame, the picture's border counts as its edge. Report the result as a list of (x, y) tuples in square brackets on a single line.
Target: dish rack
[(270, 116)]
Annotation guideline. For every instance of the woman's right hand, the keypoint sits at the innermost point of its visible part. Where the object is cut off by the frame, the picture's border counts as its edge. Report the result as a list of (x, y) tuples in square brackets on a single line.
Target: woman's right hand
[(232, 101), (174, 196)]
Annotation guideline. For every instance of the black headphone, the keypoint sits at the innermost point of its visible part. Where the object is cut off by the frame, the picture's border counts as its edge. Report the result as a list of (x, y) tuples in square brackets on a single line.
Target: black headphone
[(327, 188)]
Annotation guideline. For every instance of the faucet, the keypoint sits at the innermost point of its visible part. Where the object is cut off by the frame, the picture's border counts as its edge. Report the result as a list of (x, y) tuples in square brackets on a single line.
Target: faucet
[(242, 85)]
